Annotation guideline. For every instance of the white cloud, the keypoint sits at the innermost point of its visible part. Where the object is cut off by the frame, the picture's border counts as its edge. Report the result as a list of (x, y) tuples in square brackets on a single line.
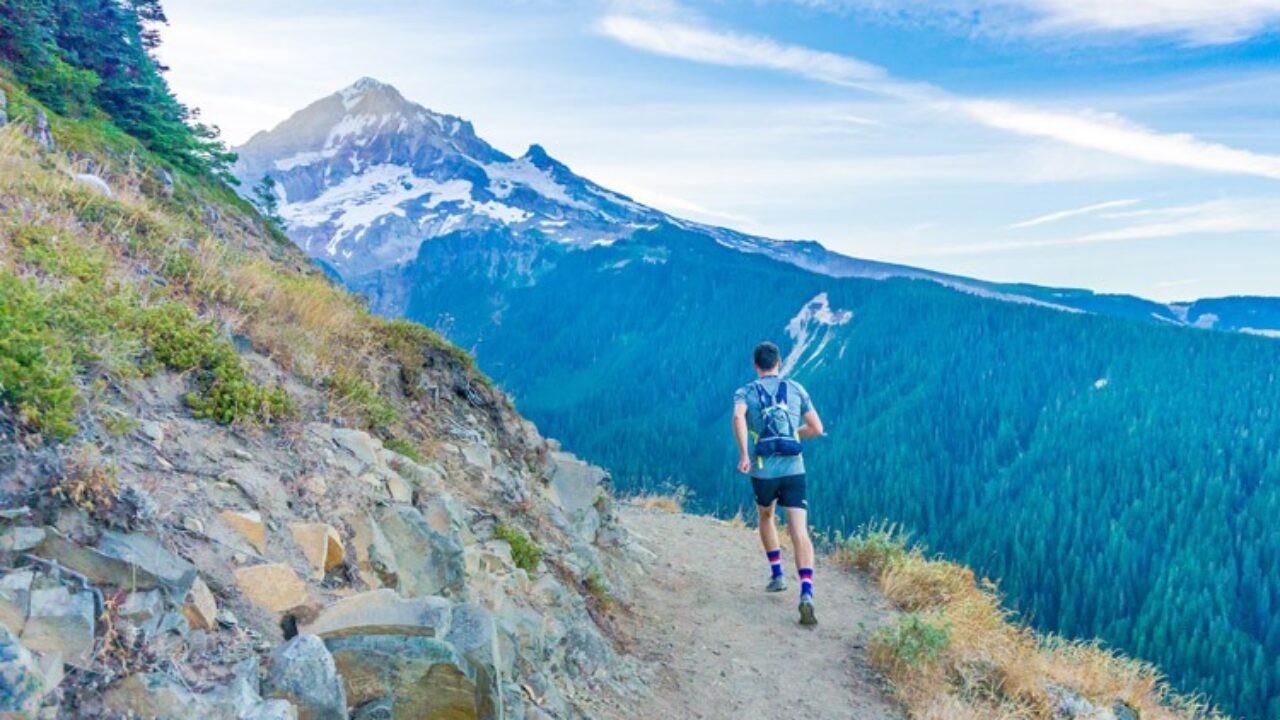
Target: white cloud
[(1103, 132), (1064, 214), (1209, 218), (1201, 22)]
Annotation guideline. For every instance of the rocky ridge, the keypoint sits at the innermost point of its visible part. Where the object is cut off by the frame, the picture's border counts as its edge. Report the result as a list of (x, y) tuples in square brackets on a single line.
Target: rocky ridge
[(380, 535)]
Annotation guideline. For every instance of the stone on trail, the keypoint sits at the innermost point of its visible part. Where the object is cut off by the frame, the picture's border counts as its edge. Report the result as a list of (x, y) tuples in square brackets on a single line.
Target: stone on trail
[(61, 622), (20, 538), (201, 609), (273, 586), (302, 672), (249, 525), (576, 487), (15, 596), (22, 684), (145, 552), (321, 545), (381, 612), (411, 678)]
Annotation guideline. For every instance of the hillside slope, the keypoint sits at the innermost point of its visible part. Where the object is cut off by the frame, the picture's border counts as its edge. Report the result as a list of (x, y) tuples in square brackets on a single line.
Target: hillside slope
[(228, 491), (1090, 437)]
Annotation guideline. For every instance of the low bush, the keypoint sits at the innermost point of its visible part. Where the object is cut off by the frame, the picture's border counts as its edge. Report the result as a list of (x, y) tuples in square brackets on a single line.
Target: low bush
[(525, 553)]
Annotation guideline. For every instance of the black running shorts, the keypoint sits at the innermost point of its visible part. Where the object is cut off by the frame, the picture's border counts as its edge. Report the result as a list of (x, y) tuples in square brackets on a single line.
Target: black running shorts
[(788, 491)]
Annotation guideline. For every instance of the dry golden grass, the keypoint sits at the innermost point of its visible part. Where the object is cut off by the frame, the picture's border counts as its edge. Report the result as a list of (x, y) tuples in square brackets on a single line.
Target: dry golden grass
[(216, 257), (672, 503), (955, 652)]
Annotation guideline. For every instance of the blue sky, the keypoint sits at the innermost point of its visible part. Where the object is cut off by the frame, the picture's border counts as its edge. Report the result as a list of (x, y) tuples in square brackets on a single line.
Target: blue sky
[(1120, 146)]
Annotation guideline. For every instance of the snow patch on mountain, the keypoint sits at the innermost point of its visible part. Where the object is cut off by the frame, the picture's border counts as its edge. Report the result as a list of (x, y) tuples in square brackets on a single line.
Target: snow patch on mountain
[(811, 331)]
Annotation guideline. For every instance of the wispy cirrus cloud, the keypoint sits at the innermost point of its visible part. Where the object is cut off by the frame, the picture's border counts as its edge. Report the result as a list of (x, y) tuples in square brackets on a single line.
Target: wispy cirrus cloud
[(1216, 217), (1104, 132), (1196, 22), (1074, 212)]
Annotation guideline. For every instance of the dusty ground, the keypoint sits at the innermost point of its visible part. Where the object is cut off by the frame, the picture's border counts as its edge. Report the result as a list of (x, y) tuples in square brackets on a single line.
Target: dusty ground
[(729, 649)]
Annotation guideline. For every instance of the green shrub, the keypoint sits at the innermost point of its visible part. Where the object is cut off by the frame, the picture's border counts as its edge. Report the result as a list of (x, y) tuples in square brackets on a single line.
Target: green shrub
[(36, 366), (911, 641), (355, 395), (180, 341), (598, 589), (405, 448), (525, 553)]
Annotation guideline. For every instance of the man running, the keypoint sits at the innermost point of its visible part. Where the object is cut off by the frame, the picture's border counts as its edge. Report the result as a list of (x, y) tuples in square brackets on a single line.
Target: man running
[(777, 414)]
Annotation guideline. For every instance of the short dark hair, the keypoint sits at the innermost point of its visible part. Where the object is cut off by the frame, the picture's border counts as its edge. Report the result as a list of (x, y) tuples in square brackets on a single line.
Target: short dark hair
[(766, 355)]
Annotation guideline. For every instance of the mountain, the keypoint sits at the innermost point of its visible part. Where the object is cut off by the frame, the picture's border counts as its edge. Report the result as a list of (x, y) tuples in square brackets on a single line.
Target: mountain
[(365, 176), (1131, 464)]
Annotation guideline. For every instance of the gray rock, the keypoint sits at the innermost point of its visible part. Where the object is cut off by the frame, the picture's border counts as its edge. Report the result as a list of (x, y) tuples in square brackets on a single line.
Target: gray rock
[(143, 551), (478, 456), (361, 445), (62, 622), (100, 186), (15, 598), (578, 489), (473, 633), (382, 612), (151, 429), (20, 538), (411, 677), (22, 684), (302, 672), (1070, 705), (4, 106), (1123, 712), (427, 562), (239, 695), (155, 695), (276, 710), (40, 129)]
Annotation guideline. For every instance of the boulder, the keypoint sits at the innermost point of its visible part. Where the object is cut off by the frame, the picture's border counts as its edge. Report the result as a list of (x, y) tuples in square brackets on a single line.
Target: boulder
[(61, 622), (273, 586), (410, 677), (39, 130), (15, 598), (365, 448), (477, 456), (248, 523), (146, 553), (20, 538), (321, 545), (381, 612), (375, 561), (96, 184), (426, 561), (399, 489), (302, 672), (473, 633), (201, 609), (275, 710), (142, 605), (97, 567), (154, 695), (576, 488), (22, 684)]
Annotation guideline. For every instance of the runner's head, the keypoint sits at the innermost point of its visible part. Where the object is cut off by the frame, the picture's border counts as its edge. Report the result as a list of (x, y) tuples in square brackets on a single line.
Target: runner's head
[(766, 357)]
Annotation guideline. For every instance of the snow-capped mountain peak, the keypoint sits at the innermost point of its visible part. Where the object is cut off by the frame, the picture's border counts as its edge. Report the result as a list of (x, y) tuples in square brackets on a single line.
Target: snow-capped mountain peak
[(364, 176)]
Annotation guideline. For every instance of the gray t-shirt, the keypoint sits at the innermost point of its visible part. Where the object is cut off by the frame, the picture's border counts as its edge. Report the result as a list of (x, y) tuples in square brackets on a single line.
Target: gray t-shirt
[(798, 403)]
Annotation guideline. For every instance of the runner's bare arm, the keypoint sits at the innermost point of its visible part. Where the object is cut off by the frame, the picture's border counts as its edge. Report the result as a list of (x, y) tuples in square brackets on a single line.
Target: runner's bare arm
[(740, 434), (812, 426)]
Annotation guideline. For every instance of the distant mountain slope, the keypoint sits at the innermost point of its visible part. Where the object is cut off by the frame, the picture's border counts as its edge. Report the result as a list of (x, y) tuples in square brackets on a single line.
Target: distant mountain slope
[(1118, 478), (365, 177)]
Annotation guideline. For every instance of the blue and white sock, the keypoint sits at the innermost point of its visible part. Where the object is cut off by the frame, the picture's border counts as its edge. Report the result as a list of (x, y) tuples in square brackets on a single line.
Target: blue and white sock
[(806, 582), (775, 562)]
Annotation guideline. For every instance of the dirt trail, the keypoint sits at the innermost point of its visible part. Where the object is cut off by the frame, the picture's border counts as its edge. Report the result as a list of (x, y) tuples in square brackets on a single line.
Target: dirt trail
[(729, 649)]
